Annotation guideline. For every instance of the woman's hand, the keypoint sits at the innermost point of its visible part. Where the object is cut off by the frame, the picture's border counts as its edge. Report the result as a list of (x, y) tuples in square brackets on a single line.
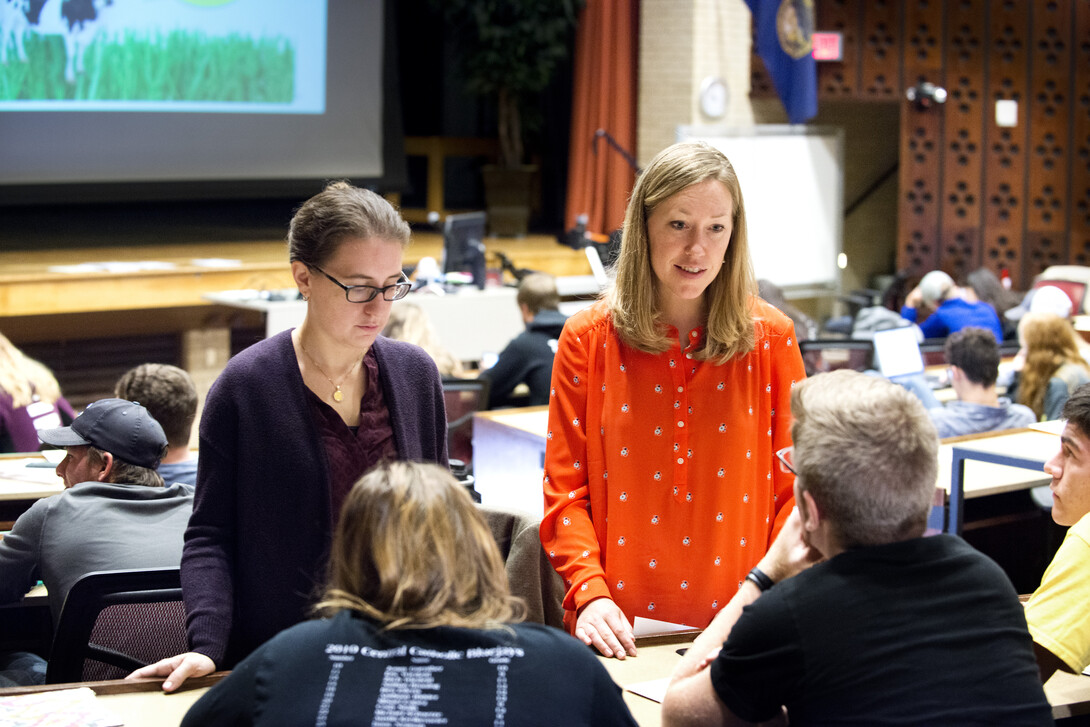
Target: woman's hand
[(176, 669), (603, 625)]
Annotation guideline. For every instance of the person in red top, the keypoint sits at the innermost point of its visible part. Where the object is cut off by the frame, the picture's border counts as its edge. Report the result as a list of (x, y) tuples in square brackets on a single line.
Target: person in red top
[(670, 397)]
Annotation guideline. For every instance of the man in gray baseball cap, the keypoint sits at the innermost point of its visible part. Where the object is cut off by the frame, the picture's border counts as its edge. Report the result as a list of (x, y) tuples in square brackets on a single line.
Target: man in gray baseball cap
[(115, 513)]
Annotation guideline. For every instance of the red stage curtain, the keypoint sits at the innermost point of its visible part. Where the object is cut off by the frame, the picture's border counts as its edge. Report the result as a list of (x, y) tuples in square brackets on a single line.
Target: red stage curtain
[(606, 59)]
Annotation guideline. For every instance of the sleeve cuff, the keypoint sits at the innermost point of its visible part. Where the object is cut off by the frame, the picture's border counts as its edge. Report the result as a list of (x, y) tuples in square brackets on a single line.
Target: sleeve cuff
[(589, 590)]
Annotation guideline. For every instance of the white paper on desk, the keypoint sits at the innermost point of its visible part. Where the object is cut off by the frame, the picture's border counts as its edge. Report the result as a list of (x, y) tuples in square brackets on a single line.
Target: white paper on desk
[(650, 627), (112, 266), (655, 689), (62, 708), (16, 469), (1053, 426), (216, 262)]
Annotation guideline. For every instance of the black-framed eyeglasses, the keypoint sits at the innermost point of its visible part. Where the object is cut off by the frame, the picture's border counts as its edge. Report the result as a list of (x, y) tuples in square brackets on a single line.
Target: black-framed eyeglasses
[(367, 293), (787, 459)]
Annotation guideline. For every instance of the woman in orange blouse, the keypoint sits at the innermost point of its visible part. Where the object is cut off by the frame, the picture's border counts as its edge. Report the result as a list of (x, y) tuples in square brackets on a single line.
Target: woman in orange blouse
[(671, 396)]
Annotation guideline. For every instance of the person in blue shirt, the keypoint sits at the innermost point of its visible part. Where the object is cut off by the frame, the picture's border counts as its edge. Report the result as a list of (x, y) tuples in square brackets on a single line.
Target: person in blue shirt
[(954, 308)]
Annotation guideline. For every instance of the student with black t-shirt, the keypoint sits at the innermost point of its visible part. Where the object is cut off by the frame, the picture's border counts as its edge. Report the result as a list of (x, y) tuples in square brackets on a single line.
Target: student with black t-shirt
[(419, 628), (891, 627)]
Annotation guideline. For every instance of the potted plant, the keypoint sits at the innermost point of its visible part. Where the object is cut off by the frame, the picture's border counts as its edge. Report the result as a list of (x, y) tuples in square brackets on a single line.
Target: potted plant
[(511, 50)]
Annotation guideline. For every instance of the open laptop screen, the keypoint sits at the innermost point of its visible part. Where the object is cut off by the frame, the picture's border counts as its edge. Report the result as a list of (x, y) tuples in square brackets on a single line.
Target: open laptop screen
[(897, 352)]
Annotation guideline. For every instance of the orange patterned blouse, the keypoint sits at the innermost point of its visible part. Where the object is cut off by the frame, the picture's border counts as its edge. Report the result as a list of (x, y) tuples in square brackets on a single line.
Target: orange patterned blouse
[(661, 483)]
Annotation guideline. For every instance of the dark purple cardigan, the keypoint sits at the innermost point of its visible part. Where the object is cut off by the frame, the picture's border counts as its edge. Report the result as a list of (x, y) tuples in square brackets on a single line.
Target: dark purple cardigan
[(256, 547)]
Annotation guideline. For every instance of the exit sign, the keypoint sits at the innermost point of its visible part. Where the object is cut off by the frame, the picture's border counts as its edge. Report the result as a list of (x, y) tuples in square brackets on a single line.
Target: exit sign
[(827, 46)]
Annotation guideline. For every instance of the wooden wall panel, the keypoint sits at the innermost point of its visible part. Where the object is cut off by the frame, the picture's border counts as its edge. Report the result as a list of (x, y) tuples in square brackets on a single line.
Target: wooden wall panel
[(962, 162), (881, 36), (1005, 147), (921, 143), (1049, 135), (1079, 220), (841, 80), (971, 192)]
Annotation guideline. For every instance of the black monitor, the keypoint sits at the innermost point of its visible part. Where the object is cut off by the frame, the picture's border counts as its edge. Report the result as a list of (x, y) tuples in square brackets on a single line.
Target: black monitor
[(463, 245)]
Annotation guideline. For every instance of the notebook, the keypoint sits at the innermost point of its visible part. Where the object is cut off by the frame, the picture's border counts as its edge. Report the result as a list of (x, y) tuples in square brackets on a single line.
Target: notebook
[(897, 353)]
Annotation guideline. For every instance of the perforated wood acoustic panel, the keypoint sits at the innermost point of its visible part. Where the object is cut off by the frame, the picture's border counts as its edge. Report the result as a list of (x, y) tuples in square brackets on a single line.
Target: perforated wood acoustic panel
[(974, 193)]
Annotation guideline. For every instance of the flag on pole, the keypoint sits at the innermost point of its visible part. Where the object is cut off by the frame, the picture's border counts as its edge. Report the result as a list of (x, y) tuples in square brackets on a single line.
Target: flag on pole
[(784, 31)]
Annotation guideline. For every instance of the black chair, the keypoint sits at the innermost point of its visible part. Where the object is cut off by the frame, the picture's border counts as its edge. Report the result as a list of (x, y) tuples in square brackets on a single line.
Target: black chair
[(829, 354), (463, 398), (113, 622)]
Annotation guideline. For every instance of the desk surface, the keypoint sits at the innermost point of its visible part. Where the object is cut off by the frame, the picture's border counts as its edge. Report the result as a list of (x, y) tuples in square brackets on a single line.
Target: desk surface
[(139, 702), (985, 478), (19, 482)]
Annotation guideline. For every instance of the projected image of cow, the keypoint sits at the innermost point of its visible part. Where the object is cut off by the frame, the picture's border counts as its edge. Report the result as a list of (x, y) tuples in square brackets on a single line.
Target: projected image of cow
[(140, 54)]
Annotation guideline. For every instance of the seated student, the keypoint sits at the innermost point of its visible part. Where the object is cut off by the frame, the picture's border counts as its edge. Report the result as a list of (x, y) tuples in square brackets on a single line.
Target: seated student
[(529, 356), (1049, 364), (169, 393), (419, 628), (1057, 613), (954, 309), (30, 399), (973, 356), (408, 322), (115, 512), (892, 627)]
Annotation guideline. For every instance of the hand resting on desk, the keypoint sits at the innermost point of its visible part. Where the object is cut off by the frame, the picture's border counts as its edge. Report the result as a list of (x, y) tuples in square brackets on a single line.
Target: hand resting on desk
[(603, 625), (176, 669)]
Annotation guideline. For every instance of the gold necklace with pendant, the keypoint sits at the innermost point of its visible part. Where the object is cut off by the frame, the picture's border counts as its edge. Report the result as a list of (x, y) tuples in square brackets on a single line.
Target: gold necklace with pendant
[(338, 395)]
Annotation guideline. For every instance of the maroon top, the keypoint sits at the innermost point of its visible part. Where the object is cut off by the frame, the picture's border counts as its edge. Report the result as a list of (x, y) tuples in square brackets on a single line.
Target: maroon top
[(351, 451)]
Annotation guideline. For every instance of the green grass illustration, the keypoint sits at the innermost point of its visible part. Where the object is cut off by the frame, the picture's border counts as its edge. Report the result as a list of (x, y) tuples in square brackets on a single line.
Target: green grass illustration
[(180, 66)]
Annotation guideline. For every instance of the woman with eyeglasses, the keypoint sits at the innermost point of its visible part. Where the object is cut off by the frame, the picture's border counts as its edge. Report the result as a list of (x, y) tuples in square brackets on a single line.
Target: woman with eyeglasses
[(292, 423), (671, 396)]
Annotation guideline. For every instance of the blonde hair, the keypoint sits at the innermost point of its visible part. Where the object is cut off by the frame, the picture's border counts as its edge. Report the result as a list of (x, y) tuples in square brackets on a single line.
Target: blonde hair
[(409, 322), (1049, 342), (866, 450), (23, 378), (412, 551), (632, 300)]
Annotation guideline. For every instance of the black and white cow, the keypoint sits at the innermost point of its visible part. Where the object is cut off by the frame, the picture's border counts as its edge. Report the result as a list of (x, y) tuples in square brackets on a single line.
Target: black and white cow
[(77, 21)]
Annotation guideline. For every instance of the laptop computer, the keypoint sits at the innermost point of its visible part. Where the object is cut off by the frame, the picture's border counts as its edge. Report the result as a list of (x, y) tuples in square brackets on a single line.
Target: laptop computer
[(897, 353)]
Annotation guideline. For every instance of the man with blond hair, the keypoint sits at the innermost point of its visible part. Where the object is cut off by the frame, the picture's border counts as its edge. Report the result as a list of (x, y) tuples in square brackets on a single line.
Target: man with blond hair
[(889, 625)]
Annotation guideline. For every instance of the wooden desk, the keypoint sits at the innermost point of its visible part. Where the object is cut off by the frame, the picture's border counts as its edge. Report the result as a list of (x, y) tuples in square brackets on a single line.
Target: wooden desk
[(992, 463), (509, 458), (21, 487), (138, 702), (656, 659)]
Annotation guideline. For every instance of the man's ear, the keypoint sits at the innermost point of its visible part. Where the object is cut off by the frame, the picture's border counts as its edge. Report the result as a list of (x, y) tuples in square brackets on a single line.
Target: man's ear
[(811, 513), (107, 467)]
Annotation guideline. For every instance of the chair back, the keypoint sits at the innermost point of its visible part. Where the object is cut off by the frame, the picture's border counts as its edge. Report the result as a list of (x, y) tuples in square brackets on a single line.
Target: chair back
[(933, 351), (463, 398), (530, 575), (829, 354), (113, 622)]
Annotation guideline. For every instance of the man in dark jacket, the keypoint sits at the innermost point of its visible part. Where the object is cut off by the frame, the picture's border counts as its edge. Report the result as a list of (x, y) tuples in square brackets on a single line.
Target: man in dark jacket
[(529, 357)]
